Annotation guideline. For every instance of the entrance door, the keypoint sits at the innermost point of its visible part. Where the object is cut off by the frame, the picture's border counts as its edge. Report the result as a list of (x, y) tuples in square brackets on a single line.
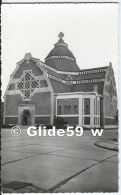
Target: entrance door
[(26, 118)]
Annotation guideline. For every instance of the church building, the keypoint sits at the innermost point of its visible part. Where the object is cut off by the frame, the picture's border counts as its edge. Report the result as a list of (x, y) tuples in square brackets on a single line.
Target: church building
[(40, 91)]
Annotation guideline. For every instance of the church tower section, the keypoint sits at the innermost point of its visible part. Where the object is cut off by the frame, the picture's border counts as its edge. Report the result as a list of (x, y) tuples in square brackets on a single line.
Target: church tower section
[(28, 95), (109, 99), (61, 58)]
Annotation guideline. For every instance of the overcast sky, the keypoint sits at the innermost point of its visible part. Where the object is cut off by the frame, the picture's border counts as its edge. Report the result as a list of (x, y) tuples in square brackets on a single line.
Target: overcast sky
[(90, 30)]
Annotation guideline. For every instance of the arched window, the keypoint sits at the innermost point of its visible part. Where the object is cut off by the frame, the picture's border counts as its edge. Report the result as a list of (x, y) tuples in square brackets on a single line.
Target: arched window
[(75, 109), (65, 110), (69, 109)]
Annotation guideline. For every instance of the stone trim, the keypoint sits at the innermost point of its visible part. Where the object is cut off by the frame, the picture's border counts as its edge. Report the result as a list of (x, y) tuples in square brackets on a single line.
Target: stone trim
[(110, 126), (63, 44), (76, 94), (48, 81), (11, 115), (55, 78), (110, 117), (84, 81), (65, 115), (42, 115), (37, 90), (51, 99), (92, 71), (35, 77), (59, 57)]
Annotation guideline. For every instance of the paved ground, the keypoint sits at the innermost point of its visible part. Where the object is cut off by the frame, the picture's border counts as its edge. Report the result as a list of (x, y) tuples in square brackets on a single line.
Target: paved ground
[(58, 164)]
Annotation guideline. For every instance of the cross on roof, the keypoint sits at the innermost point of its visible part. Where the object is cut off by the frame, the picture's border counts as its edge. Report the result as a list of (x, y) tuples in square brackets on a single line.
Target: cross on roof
[(61, 35)]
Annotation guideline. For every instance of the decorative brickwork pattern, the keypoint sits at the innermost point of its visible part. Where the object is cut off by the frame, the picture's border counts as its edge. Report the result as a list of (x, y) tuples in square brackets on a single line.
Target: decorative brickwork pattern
[(27, 85)]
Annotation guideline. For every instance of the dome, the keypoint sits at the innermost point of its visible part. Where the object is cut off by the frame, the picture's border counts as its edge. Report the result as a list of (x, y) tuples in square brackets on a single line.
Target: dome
[(61, 58)]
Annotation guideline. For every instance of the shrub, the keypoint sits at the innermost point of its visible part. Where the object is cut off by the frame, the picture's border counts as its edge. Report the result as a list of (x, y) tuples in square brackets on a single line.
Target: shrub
[(59, 122)]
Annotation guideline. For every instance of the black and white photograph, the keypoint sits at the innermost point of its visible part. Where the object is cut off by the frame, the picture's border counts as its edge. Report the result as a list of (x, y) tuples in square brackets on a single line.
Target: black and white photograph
[(59, 102)]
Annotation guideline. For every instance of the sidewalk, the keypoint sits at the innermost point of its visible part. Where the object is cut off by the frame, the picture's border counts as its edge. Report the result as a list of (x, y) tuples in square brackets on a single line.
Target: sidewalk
[(109, 145)]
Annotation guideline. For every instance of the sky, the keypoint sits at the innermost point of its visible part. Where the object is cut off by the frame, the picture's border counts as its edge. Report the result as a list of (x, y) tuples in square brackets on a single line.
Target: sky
[(90, 30)]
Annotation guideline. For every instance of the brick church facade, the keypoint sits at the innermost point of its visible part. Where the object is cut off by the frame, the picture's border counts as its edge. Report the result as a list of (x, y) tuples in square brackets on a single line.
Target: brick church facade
[(40, 91)]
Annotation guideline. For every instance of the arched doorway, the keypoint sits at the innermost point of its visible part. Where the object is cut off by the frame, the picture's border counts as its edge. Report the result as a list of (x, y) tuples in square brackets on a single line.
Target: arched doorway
[(26, 118)]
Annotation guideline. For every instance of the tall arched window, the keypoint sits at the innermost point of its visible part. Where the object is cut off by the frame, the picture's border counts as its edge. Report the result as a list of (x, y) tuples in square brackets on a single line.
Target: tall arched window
[(69, 109), (75, 109)]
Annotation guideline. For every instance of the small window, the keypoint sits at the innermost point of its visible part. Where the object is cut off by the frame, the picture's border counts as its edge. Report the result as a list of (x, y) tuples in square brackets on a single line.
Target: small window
[(87, 120), (65, 110), (75, 109), (87, 106), (69, 109), (59, 110)]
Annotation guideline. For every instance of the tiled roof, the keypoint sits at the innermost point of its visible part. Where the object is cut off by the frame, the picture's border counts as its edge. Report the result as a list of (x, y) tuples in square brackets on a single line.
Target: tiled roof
[(83, 87), (60, 49), (93, 73), (63, 64), (61, 58), (92, 79), (59, 87), (87, 74), (61, 76)]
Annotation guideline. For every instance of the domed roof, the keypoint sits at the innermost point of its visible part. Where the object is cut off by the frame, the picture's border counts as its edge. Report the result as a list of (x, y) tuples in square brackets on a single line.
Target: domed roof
[(61, 58)]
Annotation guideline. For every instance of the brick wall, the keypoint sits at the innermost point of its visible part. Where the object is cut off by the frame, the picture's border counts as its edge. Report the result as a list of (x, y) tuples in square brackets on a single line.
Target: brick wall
[(11, 120), (109, 97), (71, 120), (42, 120), (109, 121), (110, 107), (40, 100)]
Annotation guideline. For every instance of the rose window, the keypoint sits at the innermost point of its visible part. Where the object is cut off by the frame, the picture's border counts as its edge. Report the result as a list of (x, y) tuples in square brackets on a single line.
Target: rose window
[(27, 85)]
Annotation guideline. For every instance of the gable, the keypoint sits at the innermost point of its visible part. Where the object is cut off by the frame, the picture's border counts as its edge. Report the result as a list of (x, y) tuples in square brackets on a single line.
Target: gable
[(28, 79), (27, 65)]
